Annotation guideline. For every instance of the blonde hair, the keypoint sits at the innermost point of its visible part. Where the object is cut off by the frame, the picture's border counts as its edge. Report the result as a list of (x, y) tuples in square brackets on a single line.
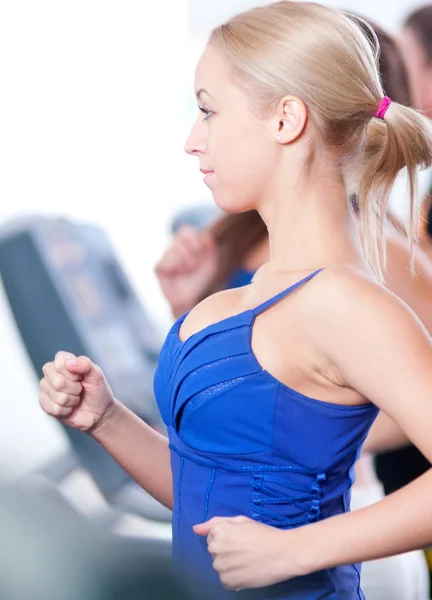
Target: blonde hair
[(321, 55)]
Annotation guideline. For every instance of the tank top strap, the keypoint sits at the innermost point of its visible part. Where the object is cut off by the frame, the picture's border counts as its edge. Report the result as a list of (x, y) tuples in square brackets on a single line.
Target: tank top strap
[(271, 301)]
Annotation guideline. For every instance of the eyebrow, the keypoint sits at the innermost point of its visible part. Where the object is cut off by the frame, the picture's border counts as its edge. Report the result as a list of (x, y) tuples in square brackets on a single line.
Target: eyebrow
[(203, 91)]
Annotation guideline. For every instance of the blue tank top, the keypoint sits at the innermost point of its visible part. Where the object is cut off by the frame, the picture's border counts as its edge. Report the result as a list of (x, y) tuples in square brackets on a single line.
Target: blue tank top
[(243, 443)]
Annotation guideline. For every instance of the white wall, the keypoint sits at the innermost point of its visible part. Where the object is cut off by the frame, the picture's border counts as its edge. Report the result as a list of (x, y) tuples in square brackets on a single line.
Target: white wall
[(91, 127), (92, 117)]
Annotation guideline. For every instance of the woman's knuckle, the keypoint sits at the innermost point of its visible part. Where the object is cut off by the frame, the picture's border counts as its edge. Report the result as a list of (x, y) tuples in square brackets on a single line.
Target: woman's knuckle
[(58, 383), (45, 368), (57, 410), (62, 399)]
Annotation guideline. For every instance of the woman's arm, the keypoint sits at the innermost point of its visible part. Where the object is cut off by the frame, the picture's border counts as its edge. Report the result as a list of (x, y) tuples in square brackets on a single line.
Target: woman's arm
[(385, 435), (141, 451), (379, 348), (398, 523), (416, 291)]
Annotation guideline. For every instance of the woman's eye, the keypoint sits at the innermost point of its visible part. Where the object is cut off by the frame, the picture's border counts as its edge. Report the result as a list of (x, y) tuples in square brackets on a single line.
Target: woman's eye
[(207, 113)]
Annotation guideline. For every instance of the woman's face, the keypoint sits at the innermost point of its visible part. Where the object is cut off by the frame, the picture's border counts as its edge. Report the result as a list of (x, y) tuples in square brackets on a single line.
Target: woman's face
[(419, 69), (235, 147)]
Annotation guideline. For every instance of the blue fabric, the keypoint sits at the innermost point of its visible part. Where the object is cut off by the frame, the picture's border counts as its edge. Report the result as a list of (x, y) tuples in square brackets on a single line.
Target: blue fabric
[(243, 443), (239, 278)]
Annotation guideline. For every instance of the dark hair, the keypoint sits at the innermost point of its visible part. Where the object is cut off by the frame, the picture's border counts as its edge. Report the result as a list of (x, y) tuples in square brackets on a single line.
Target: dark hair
[(420, 21), (237, 234)]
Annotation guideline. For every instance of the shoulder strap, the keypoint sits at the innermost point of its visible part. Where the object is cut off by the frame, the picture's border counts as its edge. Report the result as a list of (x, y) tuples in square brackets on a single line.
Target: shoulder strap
[(265, 305)]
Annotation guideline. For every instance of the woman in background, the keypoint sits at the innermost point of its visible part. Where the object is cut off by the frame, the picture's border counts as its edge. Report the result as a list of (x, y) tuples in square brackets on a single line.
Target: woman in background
[(416, 45), (229, 252)]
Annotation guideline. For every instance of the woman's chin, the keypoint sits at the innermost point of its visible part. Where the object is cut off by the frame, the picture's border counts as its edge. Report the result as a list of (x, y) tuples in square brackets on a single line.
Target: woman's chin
[(229, 204)]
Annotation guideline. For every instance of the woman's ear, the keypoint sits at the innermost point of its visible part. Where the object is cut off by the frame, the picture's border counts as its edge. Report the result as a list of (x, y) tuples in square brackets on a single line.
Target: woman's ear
[(291, 118)]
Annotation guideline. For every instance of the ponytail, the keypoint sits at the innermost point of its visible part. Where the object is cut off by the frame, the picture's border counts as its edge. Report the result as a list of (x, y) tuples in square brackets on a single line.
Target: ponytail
[(403, 138)]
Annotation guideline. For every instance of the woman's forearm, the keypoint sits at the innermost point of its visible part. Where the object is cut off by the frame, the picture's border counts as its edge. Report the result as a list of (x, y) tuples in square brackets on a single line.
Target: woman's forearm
[(399, 523), (141, 451)]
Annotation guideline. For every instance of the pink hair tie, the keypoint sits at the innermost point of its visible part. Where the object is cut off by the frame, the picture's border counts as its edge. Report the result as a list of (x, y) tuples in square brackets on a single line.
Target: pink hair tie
[(383, 108)]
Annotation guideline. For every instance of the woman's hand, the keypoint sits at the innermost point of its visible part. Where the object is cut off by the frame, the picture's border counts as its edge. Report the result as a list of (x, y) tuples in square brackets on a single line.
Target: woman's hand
[(247, 554), (75, 391), (187, 268)]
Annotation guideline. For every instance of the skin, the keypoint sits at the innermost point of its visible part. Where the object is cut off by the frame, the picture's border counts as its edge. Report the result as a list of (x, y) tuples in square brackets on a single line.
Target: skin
[(426, 238), (342, 338), (188, 266)]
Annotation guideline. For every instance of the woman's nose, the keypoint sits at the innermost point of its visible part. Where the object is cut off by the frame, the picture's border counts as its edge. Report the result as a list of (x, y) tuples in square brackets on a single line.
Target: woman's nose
[(195, 143)]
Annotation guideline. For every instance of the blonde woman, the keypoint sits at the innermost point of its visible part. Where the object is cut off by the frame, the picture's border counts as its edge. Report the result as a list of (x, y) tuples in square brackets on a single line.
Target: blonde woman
[(269, 390)]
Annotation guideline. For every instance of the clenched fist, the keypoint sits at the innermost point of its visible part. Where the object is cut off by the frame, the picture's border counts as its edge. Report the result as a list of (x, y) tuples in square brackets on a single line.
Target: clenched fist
[(75, 391), (187, 268), (248, 554)]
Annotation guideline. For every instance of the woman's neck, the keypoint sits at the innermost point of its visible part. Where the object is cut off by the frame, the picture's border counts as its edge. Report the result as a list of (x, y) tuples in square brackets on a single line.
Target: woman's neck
[(257, 256), (311, 227)]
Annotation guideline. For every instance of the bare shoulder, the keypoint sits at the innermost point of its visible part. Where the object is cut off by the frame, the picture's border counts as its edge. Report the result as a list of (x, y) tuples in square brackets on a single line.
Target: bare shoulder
[(348, 313), (349, 291), (361, 326), (375, 344)]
